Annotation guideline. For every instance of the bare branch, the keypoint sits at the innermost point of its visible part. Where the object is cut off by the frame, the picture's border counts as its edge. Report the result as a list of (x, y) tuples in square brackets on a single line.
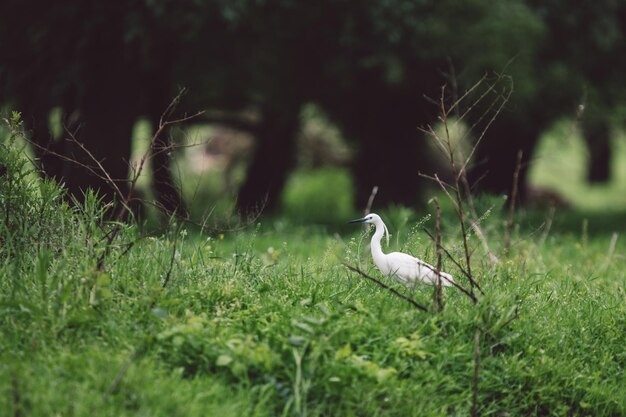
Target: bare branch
[(509, 223), (548, 225), (475, 223), (454, 191), (489, 123), (168, 275), (454, 85), (370, 200), (444, 186), (125, 209), (468, 93), (458, 265), (92, 169), (437, 293), (387, 287)]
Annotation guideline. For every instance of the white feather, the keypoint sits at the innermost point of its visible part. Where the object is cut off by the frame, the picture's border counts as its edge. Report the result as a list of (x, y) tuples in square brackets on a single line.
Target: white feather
[(405, 268)]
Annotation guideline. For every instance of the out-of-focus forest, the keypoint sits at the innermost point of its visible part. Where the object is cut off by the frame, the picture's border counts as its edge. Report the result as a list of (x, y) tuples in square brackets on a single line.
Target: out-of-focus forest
[(288, 82)]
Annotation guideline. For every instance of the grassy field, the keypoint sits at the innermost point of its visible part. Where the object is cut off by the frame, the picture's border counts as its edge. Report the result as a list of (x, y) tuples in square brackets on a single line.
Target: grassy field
[(266, 321)]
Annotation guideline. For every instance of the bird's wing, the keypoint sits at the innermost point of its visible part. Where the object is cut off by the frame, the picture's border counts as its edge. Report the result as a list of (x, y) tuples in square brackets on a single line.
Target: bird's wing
[(409, 269)]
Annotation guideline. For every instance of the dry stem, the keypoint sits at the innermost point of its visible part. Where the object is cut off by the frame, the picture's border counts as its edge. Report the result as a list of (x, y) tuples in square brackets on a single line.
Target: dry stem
[(459, 191), (387, 287), (370, 200), (509, 224), (437, 293), (98, 170)]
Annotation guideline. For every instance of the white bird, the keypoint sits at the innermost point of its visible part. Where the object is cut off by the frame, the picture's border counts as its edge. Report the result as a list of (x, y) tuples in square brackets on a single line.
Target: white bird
[(405, 268)]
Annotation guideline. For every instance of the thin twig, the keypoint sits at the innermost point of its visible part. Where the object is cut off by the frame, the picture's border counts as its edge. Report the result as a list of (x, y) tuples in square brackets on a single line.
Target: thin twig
[(124, 209), (467, 93), (614, 237), (509, 223), (460, 212), (370, 200), (437, 293), (429, 130), (454, 85), (458, 198), (162, 126), (494, 115), (444, 186), (475, 224), (611, 250), (387, 287), (483, 240), (458, 265), (448, 254), (548, 225), (94, 170), (101, 168), (454, 192), (168, 275)]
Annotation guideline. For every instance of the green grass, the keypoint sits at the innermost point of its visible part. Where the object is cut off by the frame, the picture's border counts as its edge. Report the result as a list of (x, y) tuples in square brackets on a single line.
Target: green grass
[(559, 164), (321, 196), (266, 321)]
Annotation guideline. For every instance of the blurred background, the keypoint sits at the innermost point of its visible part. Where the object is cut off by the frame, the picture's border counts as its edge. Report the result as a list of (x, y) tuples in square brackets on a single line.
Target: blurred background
[(309, 105)]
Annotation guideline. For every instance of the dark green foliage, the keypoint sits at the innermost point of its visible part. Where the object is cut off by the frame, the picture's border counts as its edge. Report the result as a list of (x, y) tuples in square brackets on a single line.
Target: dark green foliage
[(369, 65)]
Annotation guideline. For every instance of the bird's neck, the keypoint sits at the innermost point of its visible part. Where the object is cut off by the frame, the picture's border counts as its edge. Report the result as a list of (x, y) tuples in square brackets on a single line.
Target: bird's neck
[(377, 250)]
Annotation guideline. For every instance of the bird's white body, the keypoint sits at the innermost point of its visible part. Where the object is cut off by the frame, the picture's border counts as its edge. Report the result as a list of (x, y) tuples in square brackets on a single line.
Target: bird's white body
[(405, 268)]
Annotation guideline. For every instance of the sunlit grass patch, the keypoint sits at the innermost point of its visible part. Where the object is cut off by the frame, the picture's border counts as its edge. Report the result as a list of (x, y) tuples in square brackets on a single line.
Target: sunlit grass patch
[(559, 164), (323, 195)]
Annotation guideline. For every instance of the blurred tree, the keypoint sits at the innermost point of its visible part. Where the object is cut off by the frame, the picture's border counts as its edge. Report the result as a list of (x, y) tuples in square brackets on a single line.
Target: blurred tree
[(403, 53), (103, 65), (597, 134), (368, 65), (576, 69)]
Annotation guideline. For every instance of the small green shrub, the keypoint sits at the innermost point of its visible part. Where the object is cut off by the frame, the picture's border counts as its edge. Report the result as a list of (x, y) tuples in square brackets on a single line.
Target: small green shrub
[(201, 345), (322, 196), (32, 211)]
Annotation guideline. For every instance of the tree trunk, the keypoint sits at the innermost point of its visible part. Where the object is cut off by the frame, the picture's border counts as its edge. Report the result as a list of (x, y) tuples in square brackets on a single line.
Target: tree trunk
[(36, 116), (106, 134), (167, 192), (383, 119), (384, 122), (597, 137), (273, 159), (496, 155), (108, 109), (389, 154)]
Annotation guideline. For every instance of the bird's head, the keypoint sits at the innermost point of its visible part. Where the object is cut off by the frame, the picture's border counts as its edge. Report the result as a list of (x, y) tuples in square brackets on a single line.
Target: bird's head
[(370, 218), (374, 219)]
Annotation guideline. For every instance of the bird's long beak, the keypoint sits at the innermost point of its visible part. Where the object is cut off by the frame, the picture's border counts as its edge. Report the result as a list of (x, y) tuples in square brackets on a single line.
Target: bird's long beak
[(357, 220)]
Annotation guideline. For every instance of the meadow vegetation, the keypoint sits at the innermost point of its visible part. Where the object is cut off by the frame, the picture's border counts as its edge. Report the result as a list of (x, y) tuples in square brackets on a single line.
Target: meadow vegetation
[(265, 320)]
